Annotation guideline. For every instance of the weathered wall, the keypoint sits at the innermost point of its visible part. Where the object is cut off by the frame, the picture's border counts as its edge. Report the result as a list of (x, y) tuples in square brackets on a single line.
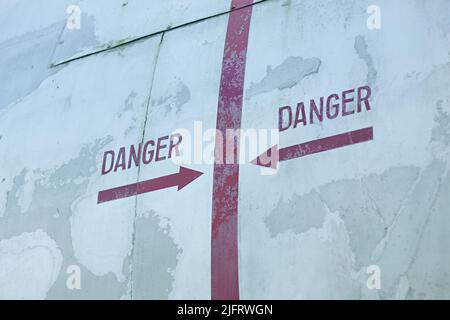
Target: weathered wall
[(307, 230)]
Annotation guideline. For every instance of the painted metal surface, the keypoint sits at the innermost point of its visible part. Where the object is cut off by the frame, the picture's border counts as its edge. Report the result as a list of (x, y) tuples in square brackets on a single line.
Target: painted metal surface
[(135, 114), (19, 18), (225, 196), (109, 23), (51, 144), (182, 244), (312, 229), (27, 43)]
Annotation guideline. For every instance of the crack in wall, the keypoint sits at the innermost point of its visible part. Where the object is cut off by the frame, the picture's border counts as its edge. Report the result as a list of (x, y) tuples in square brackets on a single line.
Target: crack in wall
[(139, 168), (161, 32), (431, 210), (374, 255)]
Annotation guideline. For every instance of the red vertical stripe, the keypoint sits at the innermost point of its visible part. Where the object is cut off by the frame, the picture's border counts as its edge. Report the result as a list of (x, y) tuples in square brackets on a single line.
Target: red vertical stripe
[(224, 237)]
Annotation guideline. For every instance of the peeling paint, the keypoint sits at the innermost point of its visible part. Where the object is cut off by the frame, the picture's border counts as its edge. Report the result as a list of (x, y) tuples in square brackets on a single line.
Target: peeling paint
[(30, 264), (299, 214), (129, 103), (50, 210), (25, 63), (432, 258), (441, 133), (400, 248), (177, 96), (155, 258), (322, 219), (367, 207), (288, 74), (362, 50)]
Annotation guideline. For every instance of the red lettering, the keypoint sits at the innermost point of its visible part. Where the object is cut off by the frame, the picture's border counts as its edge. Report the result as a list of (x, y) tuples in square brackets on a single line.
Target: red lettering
[(135, 157), (314, 110), (280, 118), (364, 99), (300, 115), (121, 163), (105, 156), (345, 101), (159, 147), (150, 153), (335, 106), (175, 145)]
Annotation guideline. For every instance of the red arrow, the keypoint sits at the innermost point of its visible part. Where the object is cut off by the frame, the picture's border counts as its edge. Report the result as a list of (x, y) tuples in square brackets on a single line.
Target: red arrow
[(273, 156), (181, 179)]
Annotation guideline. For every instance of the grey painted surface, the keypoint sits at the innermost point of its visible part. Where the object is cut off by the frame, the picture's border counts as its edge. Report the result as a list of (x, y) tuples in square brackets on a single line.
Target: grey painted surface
[(308, 231)]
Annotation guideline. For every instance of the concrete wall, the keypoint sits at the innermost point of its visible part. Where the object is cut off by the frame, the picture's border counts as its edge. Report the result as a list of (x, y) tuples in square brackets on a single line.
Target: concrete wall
[(140, 70)]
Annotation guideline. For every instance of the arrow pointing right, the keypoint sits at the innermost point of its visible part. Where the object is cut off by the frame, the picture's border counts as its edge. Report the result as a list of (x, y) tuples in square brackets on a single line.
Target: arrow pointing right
[(273, 156), (180, 180)]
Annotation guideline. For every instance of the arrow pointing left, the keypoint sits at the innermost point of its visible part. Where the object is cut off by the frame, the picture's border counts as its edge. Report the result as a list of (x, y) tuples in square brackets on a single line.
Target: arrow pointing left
[(274, 155), (180, 180)]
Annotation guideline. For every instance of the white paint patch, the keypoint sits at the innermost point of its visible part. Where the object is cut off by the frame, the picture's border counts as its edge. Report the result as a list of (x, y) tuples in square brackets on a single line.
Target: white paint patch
[(25, 192), (29, 265), (4, 187), (102, 237)]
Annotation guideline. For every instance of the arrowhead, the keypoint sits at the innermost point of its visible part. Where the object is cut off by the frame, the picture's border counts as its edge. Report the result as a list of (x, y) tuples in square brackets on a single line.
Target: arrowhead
[(186, 176), (268, 159)]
